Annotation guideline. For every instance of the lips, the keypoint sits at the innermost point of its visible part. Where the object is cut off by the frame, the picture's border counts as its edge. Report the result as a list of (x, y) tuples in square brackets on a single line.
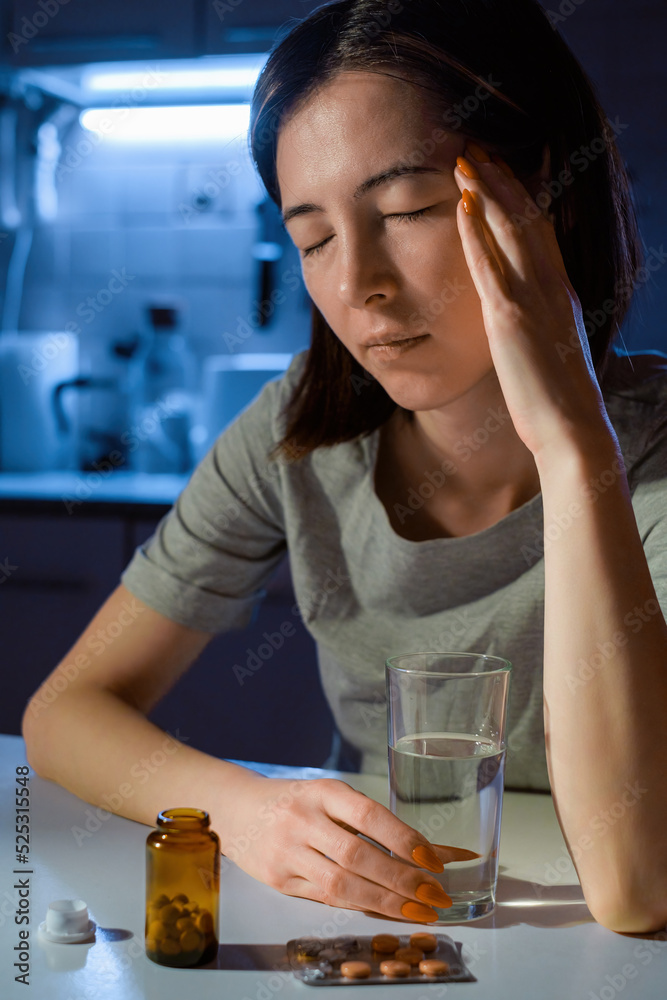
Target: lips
[(382, 340), (394, 349)]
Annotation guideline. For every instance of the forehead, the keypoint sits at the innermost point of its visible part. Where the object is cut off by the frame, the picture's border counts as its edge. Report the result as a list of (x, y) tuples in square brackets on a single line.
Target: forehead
[(354, 123)]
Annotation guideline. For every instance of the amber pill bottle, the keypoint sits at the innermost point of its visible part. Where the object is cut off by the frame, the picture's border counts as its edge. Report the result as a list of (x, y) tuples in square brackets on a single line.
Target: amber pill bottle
[(182, 889)]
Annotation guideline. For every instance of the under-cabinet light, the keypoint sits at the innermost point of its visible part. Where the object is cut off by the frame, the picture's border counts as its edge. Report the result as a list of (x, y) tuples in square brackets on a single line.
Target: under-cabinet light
[(157, 78), (180, 123)]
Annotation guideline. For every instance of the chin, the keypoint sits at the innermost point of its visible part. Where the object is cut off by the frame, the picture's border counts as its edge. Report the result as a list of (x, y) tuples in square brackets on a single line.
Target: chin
[(425, 391)]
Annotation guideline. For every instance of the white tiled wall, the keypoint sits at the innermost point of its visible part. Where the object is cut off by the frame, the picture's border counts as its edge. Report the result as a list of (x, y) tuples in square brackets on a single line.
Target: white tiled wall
[(178, 224), (136, 211)]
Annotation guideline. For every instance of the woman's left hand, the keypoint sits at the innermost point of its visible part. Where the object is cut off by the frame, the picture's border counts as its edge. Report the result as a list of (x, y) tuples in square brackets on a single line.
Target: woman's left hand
[(532, 314)]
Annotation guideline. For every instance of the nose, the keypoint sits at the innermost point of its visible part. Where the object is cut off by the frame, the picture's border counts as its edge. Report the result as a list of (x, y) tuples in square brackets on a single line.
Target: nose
[(365, 271)]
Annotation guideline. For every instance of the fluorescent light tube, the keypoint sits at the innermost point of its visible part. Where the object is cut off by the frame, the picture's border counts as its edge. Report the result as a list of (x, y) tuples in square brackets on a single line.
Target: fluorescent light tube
[(173, 79), (181, 123)]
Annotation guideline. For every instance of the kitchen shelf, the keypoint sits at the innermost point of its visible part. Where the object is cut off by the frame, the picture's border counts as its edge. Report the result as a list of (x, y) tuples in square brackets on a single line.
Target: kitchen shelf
[(65, 489)]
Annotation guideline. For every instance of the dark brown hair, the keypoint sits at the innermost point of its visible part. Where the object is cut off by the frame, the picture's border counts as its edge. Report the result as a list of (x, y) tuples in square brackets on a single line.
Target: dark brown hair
[(497, 72)]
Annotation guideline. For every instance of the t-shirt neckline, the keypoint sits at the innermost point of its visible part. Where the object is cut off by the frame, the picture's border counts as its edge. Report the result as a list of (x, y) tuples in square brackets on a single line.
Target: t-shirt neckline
[(506, 524)]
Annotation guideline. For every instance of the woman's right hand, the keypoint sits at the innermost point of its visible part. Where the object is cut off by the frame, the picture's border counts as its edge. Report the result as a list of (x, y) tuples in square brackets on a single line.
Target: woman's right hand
[(302, 838)]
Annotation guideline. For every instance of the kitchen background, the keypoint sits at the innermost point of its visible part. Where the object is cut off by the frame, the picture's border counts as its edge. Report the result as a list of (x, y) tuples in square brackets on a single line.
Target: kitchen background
[(148, 290)]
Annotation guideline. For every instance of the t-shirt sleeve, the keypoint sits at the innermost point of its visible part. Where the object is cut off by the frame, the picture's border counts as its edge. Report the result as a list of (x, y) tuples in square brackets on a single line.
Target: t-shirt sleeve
[(647, 477), (211, 554)]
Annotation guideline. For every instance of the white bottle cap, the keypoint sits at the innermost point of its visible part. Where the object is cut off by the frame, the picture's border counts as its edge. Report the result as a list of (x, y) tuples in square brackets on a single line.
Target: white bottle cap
[(67, 922)]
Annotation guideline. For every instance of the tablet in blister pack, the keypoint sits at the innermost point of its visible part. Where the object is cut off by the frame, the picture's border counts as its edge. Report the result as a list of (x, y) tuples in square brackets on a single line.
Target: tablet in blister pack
[(384, 958)]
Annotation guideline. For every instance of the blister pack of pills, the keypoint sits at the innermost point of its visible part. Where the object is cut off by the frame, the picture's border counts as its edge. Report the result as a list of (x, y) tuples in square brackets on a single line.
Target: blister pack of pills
[(384, 958)]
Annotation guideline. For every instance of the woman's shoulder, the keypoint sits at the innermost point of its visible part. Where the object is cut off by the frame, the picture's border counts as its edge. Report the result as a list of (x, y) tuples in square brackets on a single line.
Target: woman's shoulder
[(282, 389), (634, 389), (263, 420), (637, 375)]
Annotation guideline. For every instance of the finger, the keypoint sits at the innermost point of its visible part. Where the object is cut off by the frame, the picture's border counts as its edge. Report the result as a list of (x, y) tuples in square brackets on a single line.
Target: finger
[(341, 803), (519, 254), (303, 888), (354, 855), (416, 913), (345, 826), (468, 179), (506, 265), (326, 882), (496, 198), (523, 218), (483, 266), (449, 854)]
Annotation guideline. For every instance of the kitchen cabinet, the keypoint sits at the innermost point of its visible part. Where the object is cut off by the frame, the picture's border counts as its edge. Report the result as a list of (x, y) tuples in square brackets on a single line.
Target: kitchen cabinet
[(57, 32), (238, 26), (56, 572), (70, 32), (57, 569)]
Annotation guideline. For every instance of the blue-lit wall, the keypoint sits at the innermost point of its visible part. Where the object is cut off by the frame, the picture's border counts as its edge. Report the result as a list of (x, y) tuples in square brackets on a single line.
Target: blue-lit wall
[(621, 45), (142, 224), (177, 221)]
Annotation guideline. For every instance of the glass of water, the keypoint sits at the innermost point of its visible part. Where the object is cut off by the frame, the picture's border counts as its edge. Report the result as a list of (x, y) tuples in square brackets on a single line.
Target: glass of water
[(446, 738)]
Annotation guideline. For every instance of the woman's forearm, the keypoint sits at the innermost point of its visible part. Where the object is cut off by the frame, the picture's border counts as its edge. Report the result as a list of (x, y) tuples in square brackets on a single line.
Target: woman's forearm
[(107, 753), (298, 836), (605, 688)]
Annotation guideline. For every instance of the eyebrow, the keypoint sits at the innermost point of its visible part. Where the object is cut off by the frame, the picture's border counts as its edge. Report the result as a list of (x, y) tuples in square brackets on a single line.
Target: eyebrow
[(379, 180)]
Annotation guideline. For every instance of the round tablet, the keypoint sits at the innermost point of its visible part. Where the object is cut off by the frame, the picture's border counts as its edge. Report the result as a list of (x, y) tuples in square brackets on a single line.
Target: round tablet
[(355, 970), (385, 943), (427, 942), (433, 967), (191, 941), (204, 922), (410, 955), (390, 967), (185, 924), (169, 914), (157, 930), (170, 947)]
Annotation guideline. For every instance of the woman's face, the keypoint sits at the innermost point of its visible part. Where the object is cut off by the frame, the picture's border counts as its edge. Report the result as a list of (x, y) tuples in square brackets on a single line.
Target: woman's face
[(374, 275)]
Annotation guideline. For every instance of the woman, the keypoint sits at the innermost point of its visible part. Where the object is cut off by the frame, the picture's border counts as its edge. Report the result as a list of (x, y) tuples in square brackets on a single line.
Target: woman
[(442, 464)]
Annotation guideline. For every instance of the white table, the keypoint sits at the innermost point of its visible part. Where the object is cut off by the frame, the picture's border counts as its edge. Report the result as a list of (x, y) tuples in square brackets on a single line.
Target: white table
[(540, 943)]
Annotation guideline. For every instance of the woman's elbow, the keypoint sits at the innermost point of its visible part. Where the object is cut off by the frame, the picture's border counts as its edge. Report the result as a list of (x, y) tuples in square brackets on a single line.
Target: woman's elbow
[(631, 916), (33, 733)]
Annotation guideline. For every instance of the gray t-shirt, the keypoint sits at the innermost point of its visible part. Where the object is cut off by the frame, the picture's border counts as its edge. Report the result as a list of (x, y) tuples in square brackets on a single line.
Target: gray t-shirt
[(364, 592)]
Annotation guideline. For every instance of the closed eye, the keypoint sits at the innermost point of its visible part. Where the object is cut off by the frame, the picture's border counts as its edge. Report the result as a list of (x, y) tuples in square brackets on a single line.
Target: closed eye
[(410, 215), (405, 216)]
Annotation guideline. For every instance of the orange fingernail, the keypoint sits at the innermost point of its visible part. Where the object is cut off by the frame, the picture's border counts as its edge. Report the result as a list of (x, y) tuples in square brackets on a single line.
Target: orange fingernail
[(434, 895), (505, 167), (425, 858), (469, 202), (417, 911), (480, 154), (467, 168), (448, 854)]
